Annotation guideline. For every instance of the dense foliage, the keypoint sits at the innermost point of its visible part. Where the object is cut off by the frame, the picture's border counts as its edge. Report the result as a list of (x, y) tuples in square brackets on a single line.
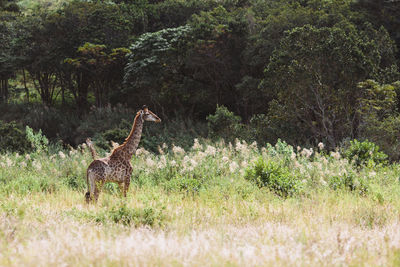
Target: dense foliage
[(12, 138), (364, 153), (278, 143), (305, 71), (273, 176)]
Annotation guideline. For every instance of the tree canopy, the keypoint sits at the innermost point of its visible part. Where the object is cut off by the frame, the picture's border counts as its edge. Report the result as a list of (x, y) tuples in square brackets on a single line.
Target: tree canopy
[(299, 70)]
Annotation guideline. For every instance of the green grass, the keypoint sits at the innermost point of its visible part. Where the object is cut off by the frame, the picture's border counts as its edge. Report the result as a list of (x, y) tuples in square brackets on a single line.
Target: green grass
[(197, 208)]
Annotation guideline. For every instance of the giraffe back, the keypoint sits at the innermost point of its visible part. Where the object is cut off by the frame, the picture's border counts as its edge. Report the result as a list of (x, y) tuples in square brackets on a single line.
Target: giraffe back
[(110, 170)]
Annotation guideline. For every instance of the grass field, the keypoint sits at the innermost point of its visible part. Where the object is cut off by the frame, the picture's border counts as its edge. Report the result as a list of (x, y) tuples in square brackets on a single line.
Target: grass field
[(201, 208)]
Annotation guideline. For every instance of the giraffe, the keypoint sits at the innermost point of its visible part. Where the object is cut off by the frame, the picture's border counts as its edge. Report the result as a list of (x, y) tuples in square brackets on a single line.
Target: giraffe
[(92, 150), (117, 166)]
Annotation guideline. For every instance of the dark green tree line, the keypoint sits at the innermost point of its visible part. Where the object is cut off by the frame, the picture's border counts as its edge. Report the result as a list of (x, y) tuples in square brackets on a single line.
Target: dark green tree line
[(298, 70)]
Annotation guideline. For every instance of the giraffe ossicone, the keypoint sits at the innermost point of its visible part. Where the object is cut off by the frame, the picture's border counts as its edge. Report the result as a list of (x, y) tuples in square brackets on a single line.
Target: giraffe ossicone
[(117, 166)]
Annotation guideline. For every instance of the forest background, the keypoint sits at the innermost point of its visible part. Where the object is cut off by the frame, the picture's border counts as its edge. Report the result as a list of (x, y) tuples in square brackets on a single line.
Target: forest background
[(304, 71), (212, 185)]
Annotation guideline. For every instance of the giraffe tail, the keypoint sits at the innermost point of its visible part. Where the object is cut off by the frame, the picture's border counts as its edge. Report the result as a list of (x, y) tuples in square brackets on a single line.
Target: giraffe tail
[(91, 147)]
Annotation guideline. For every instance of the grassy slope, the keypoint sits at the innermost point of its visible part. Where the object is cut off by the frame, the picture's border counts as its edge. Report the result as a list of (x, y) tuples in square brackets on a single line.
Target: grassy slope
[(228, 221)]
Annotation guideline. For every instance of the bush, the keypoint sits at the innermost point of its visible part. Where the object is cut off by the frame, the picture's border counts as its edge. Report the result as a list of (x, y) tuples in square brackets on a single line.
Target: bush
[(54, 123), (225, 124), (102, 124), (385, 133), (273, 176), (349, 181), (178, 131), (137, 217), (75, 182), (380, 119), (364, 153), (118, 135), (12, 138), (122, 214), (260, 127), (101, 120), (282, 150), (38, 141), (185, 184)]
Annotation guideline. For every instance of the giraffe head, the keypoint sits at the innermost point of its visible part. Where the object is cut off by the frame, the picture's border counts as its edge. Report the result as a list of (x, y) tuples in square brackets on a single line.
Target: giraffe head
[(147, 115)]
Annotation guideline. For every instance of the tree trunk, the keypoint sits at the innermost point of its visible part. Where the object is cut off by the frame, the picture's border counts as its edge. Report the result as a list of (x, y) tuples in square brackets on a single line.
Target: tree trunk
[(4, 90), (62, 96), (47, 86), (82, 92), (25, 87)]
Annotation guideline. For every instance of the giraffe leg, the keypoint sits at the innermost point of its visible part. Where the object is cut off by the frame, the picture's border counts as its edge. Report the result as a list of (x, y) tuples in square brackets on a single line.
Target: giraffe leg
[(126, 184), (88, 198), (97, 189), (121, 187), (92, 187)]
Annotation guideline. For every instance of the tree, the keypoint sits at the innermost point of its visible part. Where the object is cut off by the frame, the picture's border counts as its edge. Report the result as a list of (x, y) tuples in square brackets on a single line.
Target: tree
[(380, 117), (174, 13), (382, 13), (9, 5), (49, 37), (155, 66), (7, 57), (103, 69), (189, 68), (315, 73), (267, 22), (219, 37), (6, 67), (37, 48)]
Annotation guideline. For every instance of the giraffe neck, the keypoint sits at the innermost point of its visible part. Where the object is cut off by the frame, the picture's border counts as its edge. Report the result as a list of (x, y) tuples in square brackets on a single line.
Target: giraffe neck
[(132, 141)]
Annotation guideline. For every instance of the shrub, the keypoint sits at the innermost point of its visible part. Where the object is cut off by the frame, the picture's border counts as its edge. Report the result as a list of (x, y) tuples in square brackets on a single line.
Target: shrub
[(364, 153), (260, 128), (12, 138), (75, 182), (12, 7), (38, 141), (101, 120), (185, 184), (385, 133), (348, 181), (122, 214), (282, 150), (273, 176), (137, 217), (380, 120), (179, 131), (224, 124), (118, 135), (54, 123)]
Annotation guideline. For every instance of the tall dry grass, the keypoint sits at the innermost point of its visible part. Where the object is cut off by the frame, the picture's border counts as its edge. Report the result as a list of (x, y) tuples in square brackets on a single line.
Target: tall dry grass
[(196, 208)]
